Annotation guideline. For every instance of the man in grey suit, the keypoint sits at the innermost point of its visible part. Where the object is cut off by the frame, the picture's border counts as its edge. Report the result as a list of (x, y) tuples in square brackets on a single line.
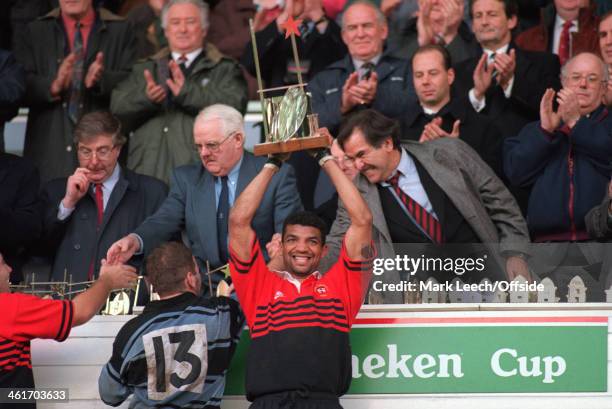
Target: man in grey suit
[(459, 195), (201, 195)]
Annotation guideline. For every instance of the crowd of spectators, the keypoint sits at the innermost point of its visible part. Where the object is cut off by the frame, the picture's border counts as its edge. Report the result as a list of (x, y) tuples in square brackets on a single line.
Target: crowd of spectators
[(113, 89)]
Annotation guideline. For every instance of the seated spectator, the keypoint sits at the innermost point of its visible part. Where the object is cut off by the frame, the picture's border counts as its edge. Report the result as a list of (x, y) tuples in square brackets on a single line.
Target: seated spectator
[(566, 156), (319, 45), (439, 115), (148, 31), (605, 45), (366, 77), (567, 28), (20, 210), (164, 93), (438, 22), (435, 192), (12, 89), (73, 57), (202, 194), (146, 360), (26, 317), (98, 204)]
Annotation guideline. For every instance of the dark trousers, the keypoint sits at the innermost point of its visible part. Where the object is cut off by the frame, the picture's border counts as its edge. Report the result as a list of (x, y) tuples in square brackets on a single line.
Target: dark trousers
[(296, 400)]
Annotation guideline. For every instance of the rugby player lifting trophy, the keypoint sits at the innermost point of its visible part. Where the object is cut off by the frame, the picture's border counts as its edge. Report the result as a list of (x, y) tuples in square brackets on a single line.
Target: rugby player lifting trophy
[(288, 122)]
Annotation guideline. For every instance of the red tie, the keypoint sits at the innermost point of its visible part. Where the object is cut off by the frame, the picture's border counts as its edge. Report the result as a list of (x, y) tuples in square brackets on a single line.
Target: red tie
[(564, 42), (182, 59), (99, 203), (429, 224)]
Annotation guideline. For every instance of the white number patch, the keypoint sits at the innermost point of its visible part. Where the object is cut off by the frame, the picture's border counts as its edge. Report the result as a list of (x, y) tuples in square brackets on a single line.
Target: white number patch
[(177, 359)]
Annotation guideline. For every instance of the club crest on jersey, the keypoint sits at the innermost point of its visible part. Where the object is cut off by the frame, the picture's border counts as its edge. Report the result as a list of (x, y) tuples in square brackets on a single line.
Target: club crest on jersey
[(278, 295), (321, 290)]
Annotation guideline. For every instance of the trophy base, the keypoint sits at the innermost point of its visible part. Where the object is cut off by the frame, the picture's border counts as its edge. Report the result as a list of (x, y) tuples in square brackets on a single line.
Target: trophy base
[(291, 145)]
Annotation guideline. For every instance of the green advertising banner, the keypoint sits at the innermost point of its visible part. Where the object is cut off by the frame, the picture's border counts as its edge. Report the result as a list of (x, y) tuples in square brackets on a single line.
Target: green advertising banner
[(505, 354)]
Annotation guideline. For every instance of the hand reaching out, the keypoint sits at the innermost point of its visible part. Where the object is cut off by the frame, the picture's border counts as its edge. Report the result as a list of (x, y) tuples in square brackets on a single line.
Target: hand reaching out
[(95, 71)]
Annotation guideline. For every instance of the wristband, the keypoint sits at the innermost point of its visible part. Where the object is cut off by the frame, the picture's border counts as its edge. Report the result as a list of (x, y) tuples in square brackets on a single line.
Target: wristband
[(325, 159), (321, 153), (273, 162)]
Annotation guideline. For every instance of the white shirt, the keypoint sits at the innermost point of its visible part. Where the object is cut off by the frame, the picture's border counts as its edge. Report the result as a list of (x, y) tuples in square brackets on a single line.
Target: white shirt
[(190, 56), (479, 105), (557, 33), (410, 183), (107, 189)]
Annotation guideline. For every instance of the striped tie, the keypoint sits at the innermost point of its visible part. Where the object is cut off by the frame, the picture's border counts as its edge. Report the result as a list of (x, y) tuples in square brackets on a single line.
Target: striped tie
[(425, 220), (74, 104)]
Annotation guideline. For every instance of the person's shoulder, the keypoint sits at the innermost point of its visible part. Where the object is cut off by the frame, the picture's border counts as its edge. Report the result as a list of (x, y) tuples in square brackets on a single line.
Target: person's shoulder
[(145, 182), (541, 58), (189, 172), (111, 19), (55, 186)]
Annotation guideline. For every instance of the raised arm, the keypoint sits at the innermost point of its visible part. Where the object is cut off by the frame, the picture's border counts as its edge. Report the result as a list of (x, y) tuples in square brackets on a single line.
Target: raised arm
[(241, 235), (359, 234)]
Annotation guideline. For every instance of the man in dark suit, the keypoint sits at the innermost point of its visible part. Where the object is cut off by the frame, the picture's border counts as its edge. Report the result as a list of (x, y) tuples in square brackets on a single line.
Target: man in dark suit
[(504, 83), (98, 204), (201, 195), (20, 212), (439, 115)]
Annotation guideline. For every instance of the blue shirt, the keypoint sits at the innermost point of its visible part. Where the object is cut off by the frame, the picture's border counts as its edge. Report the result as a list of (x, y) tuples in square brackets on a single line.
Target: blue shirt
[(232, 182)]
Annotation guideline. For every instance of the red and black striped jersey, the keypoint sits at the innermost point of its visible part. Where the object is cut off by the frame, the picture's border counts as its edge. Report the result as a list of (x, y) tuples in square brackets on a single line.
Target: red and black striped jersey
[(22, 318), (299, 330)]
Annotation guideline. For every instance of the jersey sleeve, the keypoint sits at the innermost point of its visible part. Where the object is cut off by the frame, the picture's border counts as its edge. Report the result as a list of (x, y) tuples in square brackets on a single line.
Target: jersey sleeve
[(355, 276), (25, 317), (249, 278)]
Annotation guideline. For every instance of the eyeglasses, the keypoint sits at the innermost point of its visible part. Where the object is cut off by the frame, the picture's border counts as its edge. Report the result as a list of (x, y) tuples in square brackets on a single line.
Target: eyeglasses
[(102, 153), (591, 79), (213, 146)]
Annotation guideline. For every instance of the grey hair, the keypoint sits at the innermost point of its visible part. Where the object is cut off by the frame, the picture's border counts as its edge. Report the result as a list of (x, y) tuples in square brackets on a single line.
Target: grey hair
[(602, 64), (231, 119), (380, 17), (202, 8)]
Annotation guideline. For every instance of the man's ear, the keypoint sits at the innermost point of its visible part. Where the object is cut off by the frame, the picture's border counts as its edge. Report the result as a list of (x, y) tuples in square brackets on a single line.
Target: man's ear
[(324, 251)]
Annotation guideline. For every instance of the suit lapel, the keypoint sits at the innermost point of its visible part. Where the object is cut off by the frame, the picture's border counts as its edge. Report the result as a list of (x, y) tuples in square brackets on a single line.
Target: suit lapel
[(115, 198), (444, 174), (247, 172), (205, 206)]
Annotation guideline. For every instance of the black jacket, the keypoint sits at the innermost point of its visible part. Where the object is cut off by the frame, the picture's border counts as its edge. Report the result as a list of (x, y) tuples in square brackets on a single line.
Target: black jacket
[(478, 131), (75, 241), (20, 211), (534, 73)]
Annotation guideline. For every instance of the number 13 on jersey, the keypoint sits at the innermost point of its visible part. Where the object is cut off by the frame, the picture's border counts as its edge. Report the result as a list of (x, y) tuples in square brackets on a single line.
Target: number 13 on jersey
[(176, 360)]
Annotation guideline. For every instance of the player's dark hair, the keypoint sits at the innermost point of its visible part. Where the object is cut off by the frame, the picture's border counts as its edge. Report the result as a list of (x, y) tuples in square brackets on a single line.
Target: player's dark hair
[(167, 266), (306, 218)]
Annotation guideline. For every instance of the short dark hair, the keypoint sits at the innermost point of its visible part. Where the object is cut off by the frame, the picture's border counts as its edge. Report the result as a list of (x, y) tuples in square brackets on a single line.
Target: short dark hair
[(374, 126), (605, 16), (510, 7), (446, 57), (306, 218), (94, 124), (167, 266)]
